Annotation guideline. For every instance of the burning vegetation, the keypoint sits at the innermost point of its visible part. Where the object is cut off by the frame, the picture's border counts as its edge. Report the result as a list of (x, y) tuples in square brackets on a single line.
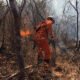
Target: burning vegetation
[(25, 33)]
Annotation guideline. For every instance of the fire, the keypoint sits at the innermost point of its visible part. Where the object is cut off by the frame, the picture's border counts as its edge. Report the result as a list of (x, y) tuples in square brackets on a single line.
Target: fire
[(25, 33)]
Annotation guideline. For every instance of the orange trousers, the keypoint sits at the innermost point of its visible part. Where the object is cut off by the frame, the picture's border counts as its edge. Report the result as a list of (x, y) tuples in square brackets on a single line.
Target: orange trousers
[(43, 48)]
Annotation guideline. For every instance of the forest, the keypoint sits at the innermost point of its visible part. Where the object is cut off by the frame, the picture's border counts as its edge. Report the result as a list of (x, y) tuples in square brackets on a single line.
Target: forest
[(18, 50)]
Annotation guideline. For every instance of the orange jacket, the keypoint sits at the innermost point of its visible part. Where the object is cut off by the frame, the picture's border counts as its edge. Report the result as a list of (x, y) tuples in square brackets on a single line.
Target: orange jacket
[(43, 31)]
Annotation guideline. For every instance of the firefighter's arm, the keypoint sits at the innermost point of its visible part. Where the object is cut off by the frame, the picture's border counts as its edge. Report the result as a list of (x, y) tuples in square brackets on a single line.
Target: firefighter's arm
[(52, 34)]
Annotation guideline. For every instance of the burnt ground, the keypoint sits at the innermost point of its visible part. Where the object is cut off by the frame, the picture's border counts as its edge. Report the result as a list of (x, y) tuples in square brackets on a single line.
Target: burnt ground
[(68, 67)]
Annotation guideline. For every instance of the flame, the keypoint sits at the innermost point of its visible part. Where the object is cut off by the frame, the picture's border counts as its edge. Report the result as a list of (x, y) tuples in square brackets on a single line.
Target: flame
[(25, 33)]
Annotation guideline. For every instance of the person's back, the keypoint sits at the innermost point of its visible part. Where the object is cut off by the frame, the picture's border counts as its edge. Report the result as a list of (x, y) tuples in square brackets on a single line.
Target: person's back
[(41, 32)]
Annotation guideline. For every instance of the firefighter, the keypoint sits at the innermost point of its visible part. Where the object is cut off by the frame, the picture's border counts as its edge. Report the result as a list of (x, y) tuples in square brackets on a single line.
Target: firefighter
[(43, 32)]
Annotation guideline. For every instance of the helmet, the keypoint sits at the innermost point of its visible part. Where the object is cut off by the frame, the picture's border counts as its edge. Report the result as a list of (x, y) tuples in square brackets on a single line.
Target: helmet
[(51, 18)]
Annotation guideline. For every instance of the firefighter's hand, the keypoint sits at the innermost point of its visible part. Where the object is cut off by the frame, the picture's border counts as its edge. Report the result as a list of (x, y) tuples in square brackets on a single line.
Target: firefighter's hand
[(54, 38)]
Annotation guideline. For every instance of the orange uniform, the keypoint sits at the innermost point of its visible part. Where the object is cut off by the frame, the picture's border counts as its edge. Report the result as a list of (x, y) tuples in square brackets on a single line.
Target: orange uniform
[(41, 39)]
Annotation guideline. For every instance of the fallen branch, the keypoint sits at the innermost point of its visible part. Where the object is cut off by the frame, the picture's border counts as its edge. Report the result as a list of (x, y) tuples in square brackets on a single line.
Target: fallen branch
[(17, 73)]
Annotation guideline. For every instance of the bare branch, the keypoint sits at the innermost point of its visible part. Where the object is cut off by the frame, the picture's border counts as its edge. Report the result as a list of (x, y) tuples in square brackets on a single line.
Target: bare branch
[(65, 7), (7, 3), (14, 8), (22, 6), (38, 10), (72, 5), (4, 15), (34, 21)]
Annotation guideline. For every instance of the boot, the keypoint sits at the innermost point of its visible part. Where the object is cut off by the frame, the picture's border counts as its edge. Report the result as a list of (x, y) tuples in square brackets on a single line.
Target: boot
[(40, 60), (47, 61), (53, 63)]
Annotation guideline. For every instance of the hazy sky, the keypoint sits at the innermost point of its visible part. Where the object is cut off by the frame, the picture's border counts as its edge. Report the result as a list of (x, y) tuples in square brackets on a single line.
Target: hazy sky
[(57, 5)]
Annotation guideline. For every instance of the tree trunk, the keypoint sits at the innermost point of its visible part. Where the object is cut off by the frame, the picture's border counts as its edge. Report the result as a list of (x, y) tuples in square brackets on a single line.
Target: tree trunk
[(77, 30), (77, 43), (17, 23)]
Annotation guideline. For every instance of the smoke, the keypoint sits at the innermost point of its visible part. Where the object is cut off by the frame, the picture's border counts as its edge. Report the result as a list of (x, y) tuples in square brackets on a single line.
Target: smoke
[(55, 6)]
